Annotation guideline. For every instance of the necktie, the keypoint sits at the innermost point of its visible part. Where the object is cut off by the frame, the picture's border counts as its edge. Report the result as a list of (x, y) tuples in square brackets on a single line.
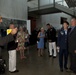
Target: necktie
[(71, 30)]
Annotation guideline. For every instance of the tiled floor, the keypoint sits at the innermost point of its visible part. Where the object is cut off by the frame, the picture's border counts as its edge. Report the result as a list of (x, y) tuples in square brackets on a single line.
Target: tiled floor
[(35, 65)]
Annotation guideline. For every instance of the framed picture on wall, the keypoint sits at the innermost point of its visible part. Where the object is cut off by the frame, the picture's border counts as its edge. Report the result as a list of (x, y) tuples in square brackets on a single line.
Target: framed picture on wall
[(63, 19)]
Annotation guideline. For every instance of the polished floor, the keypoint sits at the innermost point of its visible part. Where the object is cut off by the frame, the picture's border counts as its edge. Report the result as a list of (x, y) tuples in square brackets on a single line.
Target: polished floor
[(35, 65)]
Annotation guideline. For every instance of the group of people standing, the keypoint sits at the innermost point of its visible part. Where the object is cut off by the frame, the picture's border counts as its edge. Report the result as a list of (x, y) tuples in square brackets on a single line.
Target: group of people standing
[(50, 35), (66, 44)]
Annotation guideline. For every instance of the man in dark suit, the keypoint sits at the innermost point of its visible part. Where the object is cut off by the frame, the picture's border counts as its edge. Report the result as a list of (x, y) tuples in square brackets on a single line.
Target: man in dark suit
[(8, 38), (72, 45), (63, 47)]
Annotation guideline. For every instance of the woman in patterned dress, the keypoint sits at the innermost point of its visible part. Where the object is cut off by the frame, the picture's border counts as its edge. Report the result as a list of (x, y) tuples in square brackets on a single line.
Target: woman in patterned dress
[(21, 41)]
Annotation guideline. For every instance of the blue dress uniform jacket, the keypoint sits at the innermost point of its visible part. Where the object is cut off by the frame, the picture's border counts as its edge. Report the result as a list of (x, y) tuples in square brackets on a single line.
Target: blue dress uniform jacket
[(62, 43), (62, 39)]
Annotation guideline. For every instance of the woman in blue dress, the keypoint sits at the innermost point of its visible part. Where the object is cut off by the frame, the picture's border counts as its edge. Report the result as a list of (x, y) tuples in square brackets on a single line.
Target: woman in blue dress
[(41, 36)]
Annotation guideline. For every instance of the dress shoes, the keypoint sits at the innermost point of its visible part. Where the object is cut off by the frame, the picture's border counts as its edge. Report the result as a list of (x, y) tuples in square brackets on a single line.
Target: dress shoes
[(61, 70), (54, 56), (16, 71), (50, 55)]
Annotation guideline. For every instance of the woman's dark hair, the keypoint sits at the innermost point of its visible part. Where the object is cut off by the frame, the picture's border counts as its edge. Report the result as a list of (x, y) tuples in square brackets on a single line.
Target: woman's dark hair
[(66, 22)]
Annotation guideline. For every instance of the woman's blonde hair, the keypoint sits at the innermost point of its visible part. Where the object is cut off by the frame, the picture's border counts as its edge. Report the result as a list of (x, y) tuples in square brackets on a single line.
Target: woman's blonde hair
[(20, 28), (42, 28)]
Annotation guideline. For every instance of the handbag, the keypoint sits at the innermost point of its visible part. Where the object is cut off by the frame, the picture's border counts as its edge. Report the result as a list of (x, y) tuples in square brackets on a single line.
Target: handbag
[(38, 39)]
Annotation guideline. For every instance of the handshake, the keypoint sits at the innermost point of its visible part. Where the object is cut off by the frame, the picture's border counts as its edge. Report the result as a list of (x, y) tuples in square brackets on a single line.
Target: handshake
[(14, 31)]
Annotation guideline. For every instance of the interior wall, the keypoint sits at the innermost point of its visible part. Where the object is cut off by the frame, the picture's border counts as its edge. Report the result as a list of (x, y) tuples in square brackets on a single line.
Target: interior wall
[(14, 9), (53, 19)]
